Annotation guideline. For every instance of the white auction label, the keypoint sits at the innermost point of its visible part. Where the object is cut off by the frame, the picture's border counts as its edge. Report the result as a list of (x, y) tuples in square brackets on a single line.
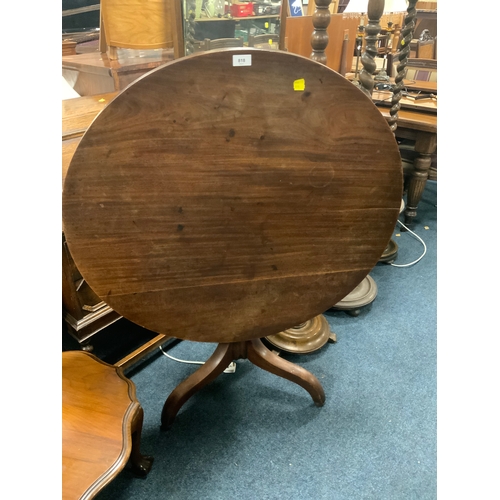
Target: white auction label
[(242, 60)]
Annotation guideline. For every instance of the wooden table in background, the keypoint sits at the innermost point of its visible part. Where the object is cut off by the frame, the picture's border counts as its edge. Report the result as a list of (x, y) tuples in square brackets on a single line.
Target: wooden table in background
[(421, 127), (419, 85), (77, 115)]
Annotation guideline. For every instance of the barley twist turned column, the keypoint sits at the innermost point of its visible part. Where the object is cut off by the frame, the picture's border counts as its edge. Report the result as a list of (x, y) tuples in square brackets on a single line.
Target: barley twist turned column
[(375, 10), (319, 37), (189, 26), (403, 53)]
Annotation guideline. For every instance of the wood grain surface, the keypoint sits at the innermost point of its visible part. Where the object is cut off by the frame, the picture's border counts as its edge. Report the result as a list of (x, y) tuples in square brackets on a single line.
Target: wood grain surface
[(222, 203), (138, 24), (98, 405), (77, 114)]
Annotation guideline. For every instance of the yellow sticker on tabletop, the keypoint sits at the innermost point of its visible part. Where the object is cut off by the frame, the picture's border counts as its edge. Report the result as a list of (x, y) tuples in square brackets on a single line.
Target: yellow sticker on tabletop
[(266, 24), (299, 85)]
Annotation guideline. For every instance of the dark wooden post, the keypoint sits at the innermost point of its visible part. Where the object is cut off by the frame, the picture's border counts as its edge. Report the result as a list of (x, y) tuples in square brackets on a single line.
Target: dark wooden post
[(319, 37), (189, 26), (403, 53), (375, 10)]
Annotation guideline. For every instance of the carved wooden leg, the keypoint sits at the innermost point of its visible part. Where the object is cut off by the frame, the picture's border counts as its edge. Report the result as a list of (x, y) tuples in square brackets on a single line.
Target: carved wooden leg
[(256, 353), (262, 357), (214, 366), (140, 464), (425, 145)]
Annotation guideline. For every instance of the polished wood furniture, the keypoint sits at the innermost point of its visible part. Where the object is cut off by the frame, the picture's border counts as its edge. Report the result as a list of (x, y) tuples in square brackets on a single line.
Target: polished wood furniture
[(420, 127), (101, 425), (68, 48), (298, 32), (417, 70), (228, 209), (333, 7), (77, 115), (297, 36), (94, 73), (422, 49), (418, 96), (84, 313), (136, 24), (422, 70), (426, 19), (427, 5)]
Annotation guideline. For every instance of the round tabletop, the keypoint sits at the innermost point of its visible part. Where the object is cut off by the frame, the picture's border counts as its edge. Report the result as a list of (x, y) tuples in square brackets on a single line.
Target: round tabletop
[(232, 194)]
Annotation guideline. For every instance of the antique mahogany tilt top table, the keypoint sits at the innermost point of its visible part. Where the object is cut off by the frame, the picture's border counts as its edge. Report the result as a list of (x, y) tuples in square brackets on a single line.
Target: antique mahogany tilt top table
[(229, 195)]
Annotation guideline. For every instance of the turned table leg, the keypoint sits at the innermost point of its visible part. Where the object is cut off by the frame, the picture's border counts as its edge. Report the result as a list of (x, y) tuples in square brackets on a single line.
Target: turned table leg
[(425, 145)]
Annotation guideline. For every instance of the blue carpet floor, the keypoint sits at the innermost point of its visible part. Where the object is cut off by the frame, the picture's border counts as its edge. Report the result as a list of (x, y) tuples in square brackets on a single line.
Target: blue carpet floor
[(251, 435)]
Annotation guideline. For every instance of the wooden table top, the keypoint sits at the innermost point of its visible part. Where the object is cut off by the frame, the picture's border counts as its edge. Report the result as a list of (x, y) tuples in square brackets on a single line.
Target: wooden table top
[(78, 113), (216, 202), (419, 85), (414, 120)]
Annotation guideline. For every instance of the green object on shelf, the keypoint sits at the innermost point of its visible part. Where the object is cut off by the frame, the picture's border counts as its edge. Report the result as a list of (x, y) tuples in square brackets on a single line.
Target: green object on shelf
[(241, 34)]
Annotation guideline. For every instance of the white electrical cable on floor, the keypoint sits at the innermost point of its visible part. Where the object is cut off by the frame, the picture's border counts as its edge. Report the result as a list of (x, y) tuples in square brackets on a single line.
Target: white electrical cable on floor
[(230, 369), (419, 239)]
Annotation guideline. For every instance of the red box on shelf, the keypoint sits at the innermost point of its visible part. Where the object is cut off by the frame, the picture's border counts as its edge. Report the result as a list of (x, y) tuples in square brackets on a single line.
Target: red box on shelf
[(242, 9)]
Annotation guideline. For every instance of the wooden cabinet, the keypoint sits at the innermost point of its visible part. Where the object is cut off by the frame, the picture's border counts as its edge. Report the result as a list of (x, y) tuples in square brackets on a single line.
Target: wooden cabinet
[(84, 313)]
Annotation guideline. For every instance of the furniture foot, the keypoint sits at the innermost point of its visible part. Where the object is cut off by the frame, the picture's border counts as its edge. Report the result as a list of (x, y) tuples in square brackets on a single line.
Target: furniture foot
[(140, 465), (425, 145), (213, 367), (354, 312), (262, 357), (256, 353)]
